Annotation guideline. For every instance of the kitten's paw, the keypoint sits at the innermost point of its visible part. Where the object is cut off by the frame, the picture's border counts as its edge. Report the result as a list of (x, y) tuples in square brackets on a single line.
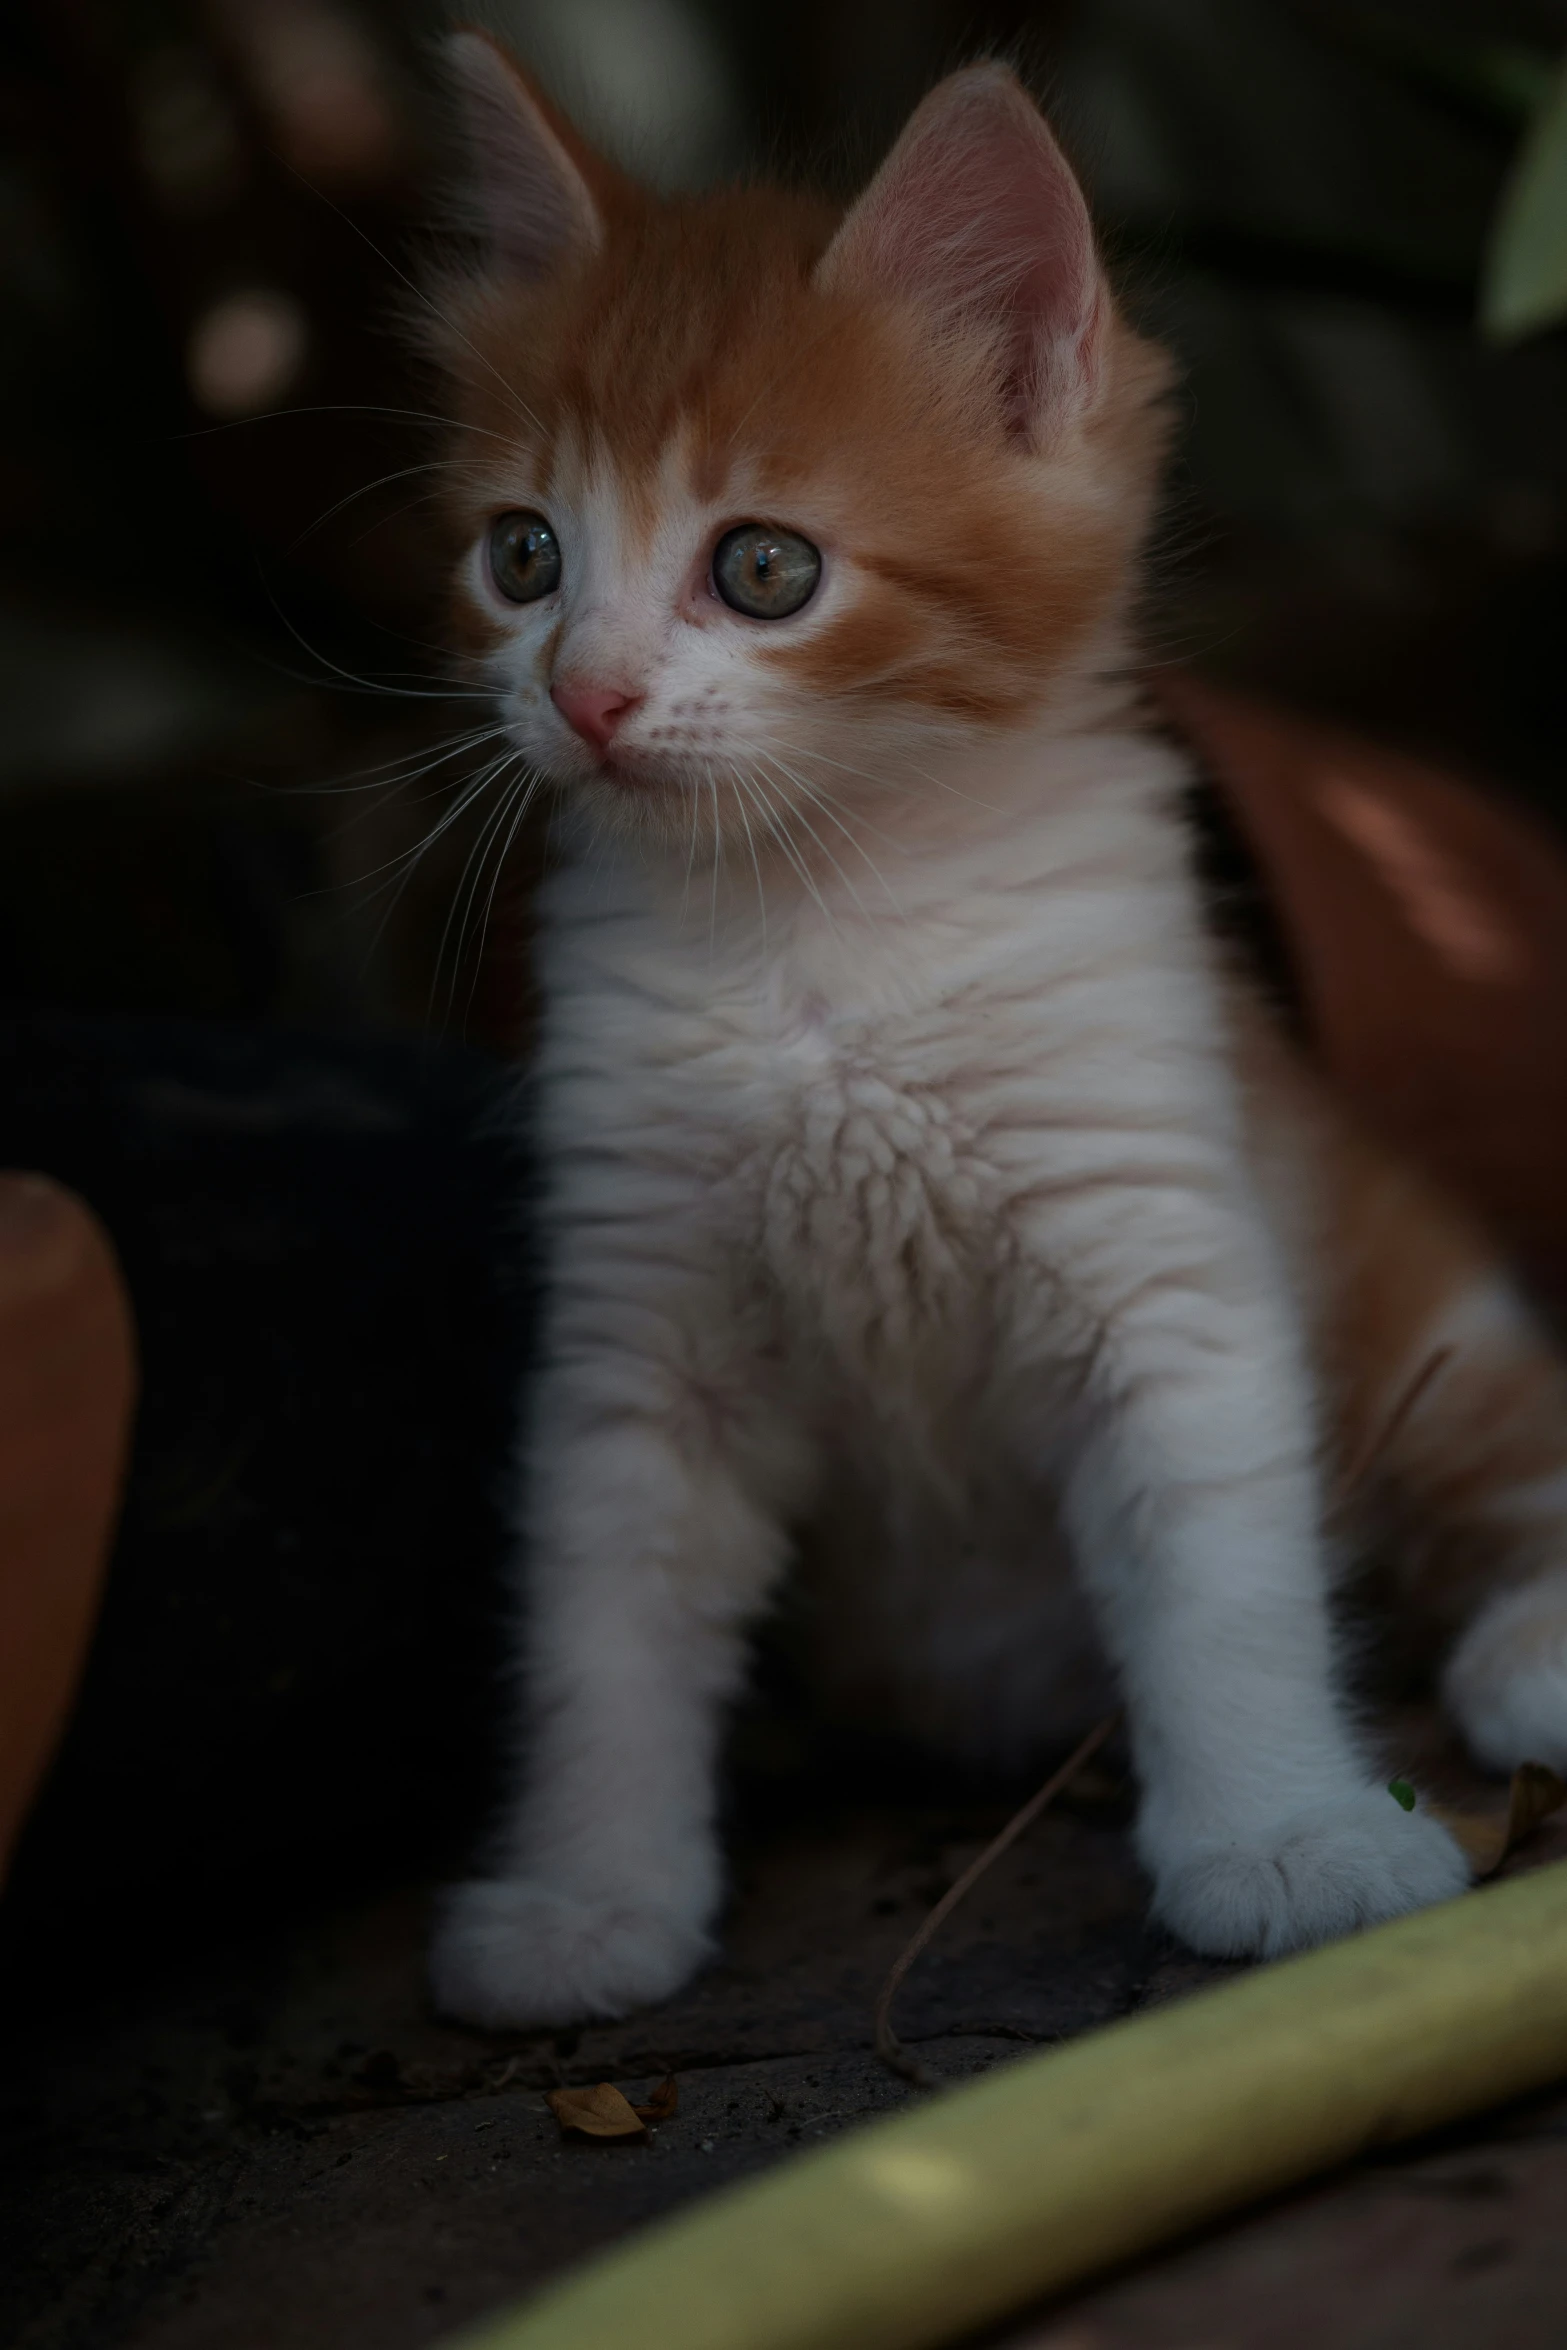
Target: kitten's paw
[(1315, 1876), (512, 1952), (1506, 1684)]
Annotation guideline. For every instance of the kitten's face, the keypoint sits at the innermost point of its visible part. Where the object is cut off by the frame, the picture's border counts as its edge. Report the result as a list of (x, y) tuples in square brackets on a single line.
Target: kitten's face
[(747, 545)]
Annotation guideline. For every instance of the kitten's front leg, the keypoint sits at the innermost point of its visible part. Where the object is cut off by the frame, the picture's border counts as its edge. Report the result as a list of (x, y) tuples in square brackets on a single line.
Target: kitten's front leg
[(1192, 1502), (648, 1551)]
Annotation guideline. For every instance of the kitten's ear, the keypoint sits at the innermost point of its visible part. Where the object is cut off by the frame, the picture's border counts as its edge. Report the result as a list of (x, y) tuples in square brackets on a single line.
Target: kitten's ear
[(535, 207), (976, 214)]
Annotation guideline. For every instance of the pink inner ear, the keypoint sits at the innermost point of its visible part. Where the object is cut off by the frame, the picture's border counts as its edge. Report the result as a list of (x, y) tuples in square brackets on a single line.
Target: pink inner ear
[(976, 214), (535, 207)]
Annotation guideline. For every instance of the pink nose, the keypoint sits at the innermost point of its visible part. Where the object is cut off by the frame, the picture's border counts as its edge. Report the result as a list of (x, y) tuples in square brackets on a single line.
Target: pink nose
[(594, 710)]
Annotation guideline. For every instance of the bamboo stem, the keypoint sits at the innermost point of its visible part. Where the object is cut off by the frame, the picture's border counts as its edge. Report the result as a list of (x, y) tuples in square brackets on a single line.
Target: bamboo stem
[(909, 2232)]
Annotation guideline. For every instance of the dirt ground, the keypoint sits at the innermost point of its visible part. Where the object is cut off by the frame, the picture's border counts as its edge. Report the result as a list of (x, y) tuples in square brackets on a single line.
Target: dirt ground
[(273, 2142)]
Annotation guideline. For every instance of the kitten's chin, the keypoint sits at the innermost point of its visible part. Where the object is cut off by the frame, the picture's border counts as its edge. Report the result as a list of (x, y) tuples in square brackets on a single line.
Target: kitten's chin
[(645, 805), (625, 772), (639, 776)]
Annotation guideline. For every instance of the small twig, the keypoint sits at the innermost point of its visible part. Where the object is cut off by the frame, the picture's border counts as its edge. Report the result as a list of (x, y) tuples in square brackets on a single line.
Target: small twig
[(888, 2046), (1360, 1463)]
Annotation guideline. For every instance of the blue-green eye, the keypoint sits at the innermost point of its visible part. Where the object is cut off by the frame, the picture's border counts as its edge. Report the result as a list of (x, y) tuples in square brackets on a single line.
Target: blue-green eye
[(524, 557), (763, 572)]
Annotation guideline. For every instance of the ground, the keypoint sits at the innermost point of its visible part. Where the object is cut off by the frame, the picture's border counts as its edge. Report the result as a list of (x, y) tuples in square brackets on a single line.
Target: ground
[(271, 2141)]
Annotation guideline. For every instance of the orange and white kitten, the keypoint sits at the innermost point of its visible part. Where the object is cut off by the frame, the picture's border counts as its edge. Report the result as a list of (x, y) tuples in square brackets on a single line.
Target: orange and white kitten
[(924, 1203)]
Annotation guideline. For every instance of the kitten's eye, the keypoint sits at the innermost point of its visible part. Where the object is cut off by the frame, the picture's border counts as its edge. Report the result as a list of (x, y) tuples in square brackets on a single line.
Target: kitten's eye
[(765, 572), (524, 557)]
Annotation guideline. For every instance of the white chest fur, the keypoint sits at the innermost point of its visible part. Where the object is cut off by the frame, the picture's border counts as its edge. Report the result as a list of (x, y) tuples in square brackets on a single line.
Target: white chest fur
[(878, 1217), (856, 1112)]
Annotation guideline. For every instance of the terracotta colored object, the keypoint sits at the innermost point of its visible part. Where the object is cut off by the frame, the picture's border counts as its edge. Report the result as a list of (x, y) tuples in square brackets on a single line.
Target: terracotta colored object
[(1427, 921), (67, 1393)]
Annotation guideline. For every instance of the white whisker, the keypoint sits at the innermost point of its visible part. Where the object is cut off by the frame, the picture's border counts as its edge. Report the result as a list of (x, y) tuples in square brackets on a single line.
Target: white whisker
[(373, 685), (410, 860), (420, 295), (779, 828), (718, 850), (685, 895), (464, 896), (519, 801), (801, 785), (892, 781), (761, 894), (469, 792), (202, 432), (383, 777), (383, 481)]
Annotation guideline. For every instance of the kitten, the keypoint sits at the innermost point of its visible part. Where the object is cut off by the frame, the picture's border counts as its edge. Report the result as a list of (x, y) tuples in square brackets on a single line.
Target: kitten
[(925, 1204)]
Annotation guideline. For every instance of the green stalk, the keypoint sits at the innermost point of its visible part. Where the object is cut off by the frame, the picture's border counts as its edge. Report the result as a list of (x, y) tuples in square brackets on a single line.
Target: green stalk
[(909, 2232)]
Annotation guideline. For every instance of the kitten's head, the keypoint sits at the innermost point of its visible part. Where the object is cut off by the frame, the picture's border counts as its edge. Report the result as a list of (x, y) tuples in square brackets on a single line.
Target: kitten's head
[(766, 513)]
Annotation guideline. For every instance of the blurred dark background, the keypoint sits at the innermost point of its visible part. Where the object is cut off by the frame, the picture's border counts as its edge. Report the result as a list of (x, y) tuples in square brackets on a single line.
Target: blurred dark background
[(263, 1029)]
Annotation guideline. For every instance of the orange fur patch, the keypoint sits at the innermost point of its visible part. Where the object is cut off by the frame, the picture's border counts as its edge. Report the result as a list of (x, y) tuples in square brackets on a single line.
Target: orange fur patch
[(1447, 1398)]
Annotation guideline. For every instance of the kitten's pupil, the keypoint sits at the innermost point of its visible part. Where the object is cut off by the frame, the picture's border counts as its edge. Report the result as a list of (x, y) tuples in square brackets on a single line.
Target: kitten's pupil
[(524, 556), (765, 573)]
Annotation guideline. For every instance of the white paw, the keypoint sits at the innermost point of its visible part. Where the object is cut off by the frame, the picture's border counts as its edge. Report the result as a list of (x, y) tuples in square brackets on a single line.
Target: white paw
[(1506, 1685), (512, 1952), (1317, 1875)]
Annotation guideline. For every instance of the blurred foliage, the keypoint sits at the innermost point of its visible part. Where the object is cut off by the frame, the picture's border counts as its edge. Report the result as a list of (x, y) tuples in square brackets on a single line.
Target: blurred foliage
[(220, 593), (1526, 267)]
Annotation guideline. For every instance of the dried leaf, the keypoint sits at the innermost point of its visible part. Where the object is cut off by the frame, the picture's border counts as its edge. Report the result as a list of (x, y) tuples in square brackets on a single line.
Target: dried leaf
[(1488, 1837), (600, 2112), (663, 2105)]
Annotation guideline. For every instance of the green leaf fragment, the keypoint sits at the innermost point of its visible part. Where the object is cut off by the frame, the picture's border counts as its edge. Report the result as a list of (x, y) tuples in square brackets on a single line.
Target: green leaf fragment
[(1524, 286), (1402, 1793)]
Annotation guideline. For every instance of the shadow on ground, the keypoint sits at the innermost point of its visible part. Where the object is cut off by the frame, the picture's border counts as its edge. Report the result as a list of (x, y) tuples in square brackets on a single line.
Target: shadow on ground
[(277, 2143)]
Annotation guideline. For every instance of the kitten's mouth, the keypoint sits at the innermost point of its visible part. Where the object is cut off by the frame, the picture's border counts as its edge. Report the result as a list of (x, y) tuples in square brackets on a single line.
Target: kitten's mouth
[(634, 771)]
